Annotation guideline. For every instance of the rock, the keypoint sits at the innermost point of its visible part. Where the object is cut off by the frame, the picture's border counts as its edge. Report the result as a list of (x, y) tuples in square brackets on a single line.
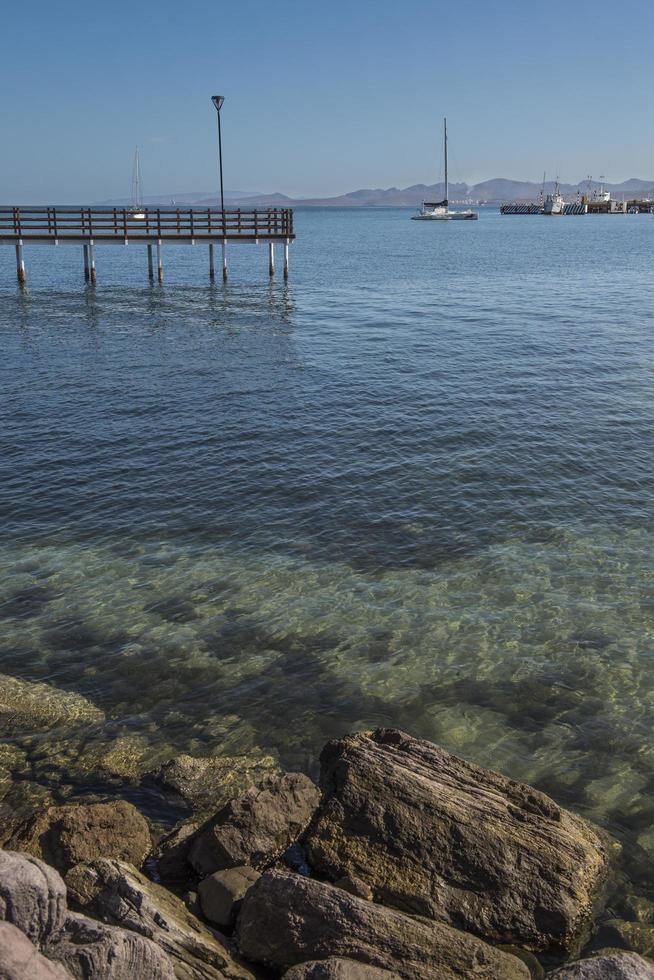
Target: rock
[(287, 919), (337, 968), (120, 895), (355, 887), (32, 896), (607, 966), (222, 892), (635, 936), (20, 960), (257, 827), (92, 949), (440, 837), (171, 855), (30, 705), (212, 782), (68, 835)]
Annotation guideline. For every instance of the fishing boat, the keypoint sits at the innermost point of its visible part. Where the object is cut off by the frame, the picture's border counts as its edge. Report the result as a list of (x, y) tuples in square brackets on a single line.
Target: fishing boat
[(137, 210), (440, 210), (554, 203)]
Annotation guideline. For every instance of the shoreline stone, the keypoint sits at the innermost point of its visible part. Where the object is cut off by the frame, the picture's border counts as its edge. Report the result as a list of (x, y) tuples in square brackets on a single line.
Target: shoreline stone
[(436, 836), (77, 833), (256, 828), (287, 919)]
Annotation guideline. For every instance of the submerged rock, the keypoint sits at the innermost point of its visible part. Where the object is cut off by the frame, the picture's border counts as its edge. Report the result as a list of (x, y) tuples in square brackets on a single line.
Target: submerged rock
[(607, 966), (90, 949), (20, 960), (32, 896), (29, 705), (337, 968), (68, 835), (211, 782), (120, 895), (440, 837), (257, 827), (287, 919)]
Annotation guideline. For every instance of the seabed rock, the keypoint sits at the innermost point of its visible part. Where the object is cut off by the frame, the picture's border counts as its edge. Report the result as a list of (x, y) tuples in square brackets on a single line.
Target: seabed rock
[(212, 782), (68, 835), (442, 838), (32, 705), (287, 919)]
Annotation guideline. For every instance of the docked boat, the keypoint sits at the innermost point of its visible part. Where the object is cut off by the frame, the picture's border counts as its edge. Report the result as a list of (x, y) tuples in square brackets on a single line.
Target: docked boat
[(554, 203), (440, 210)]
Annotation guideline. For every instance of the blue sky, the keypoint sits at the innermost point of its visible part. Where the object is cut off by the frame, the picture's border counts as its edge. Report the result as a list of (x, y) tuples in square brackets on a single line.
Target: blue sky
[(320, 98)]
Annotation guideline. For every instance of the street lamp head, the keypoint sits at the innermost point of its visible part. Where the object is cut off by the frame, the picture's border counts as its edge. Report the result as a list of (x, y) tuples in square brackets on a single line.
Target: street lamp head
[(218, 101)]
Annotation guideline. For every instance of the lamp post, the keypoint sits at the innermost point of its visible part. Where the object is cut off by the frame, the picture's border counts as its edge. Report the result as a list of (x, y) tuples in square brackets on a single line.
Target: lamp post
[(218, 101)]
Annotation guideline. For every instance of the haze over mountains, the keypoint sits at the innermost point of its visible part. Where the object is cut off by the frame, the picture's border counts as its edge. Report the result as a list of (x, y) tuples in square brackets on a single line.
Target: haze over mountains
[(488, 191)]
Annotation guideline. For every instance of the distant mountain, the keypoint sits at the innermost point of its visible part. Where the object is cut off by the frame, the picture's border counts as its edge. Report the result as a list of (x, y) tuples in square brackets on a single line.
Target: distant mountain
[(487, 192), (187, 198)]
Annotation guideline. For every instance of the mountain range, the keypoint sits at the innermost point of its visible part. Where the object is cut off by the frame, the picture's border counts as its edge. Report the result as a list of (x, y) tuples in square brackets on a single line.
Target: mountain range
[(487, 192)]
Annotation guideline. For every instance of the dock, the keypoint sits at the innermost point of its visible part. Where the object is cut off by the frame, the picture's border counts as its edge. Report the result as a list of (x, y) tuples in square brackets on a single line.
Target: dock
[(91, 226)]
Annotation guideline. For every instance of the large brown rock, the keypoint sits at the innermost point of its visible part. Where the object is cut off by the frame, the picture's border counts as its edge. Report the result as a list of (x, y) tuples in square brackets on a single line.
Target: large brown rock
[(258, 827), (32, 896), (608, 966), (20, 960), (68, 835), (440, 837), (287, 919), (120, 895), (92, 949), (337, 968)]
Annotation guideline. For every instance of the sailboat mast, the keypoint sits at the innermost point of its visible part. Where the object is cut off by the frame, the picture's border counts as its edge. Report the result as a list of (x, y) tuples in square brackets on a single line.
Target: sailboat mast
[(136, 181), (445, 135)]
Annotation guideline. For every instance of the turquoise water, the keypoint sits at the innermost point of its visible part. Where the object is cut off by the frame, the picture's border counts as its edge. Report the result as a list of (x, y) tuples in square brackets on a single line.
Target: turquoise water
[(411, 487)]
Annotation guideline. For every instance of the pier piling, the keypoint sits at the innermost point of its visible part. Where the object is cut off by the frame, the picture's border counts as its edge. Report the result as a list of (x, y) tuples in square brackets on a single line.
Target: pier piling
[(87, 271), (91, 262), (224, 262), (150, 266), (21, 274), (159, 262), (212, 268), (271, 259), (286, 259)]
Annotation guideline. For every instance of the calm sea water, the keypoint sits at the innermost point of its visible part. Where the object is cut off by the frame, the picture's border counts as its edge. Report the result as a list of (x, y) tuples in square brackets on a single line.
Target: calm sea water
[(412, 487)]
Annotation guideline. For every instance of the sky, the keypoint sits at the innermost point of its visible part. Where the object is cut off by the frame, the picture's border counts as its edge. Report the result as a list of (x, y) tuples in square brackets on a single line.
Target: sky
[(320, 99)]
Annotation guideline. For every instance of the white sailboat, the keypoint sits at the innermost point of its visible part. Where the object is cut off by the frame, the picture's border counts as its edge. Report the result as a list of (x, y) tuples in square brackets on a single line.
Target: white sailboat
[(440, 210), (136, 209)]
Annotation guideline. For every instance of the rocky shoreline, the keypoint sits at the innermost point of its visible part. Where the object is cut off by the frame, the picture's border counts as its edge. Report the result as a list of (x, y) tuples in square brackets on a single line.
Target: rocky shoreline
[(405, 862)]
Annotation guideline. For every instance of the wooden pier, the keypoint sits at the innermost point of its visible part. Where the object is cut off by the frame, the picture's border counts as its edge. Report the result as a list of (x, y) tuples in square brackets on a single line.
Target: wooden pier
[(91, 226)]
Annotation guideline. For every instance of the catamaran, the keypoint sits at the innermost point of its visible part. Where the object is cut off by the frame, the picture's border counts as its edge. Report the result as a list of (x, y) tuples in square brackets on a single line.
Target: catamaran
[(440, 210)]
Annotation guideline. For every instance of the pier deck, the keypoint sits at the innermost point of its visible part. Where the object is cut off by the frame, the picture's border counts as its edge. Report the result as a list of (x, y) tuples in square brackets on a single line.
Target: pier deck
[(91, 226)]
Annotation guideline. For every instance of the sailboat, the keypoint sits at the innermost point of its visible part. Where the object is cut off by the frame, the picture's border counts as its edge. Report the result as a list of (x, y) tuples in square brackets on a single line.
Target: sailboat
[(136, 209), (440, 210)]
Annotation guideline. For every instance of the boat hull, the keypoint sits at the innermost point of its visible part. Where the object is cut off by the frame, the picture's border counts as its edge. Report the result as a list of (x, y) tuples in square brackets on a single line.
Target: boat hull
[(448, 216)]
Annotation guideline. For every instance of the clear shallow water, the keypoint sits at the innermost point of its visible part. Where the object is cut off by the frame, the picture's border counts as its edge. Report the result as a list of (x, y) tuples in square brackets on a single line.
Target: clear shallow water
[(412, 487)]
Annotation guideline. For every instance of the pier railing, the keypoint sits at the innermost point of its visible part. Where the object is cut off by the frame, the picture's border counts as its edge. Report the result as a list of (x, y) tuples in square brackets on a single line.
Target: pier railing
[(142, 224)]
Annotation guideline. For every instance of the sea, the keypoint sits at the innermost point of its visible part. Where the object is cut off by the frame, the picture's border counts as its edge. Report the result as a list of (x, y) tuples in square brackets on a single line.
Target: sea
[(412, 486)]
